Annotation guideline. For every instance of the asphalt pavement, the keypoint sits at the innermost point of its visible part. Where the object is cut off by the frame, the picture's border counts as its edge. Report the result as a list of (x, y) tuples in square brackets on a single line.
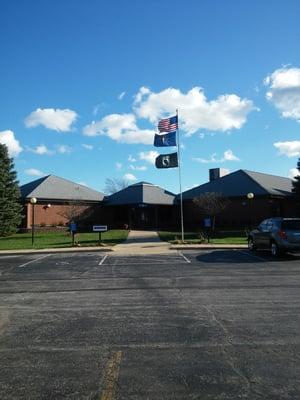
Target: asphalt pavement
[(209, 324)]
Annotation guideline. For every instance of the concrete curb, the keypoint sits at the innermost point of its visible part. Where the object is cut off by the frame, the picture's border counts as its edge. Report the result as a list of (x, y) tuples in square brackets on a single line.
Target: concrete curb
[(207, 246), (123, 250), (56, 250)]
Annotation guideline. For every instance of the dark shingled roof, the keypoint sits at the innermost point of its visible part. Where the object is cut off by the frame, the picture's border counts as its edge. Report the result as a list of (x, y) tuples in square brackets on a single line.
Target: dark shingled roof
[(241, 182), (52, 187), (141, 192)]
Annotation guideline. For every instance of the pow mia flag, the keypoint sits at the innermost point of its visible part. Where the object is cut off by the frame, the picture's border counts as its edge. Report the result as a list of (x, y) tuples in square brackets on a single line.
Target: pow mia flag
[(166, 161)]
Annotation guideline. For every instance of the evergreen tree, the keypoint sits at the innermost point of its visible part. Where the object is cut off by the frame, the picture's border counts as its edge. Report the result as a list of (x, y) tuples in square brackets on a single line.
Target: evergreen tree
[(10, 206), (296, 181)]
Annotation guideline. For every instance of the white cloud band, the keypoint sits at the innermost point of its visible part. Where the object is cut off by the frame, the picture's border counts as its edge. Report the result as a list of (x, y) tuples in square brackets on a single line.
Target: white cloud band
[(57, 120), (284, 91), (8, 138)]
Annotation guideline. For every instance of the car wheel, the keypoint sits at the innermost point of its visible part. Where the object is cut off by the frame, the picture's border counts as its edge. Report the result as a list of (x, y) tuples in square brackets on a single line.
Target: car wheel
[(275, 250), (251, 245)]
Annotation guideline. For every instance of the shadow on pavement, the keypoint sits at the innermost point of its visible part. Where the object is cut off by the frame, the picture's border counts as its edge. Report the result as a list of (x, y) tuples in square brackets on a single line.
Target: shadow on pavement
[(244, 257)]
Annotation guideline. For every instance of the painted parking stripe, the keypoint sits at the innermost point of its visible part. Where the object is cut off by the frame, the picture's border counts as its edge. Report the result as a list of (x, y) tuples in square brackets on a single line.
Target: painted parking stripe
[(32, 261), (186, 259), (102, 261), (111, 376), (126, 261)]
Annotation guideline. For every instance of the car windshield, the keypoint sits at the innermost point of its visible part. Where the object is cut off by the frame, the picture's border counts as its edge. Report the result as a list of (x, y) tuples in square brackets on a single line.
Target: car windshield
[(291, 225)]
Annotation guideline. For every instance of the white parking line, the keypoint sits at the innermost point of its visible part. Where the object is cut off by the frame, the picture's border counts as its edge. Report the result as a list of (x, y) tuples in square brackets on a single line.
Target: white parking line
[(36, 259), (131, 261), (186, 259), (102, 261)]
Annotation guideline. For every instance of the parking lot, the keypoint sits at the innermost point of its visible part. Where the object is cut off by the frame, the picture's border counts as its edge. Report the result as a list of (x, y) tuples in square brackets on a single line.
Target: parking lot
[(210, 324)]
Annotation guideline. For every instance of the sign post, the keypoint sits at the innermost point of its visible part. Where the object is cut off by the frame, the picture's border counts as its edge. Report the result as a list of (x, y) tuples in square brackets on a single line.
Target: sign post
[(99, 228)]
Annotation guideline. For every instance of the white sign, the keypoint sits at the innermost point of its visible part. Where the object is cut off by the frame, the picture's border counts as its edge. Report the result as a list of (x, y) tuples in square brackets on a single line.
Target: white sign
[(99, 228)]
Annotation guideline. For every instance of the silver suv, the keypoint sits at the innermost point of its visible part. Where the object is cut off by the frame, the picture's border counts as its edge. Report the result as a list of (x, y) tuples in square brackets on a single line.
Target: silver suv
[(276, 234)]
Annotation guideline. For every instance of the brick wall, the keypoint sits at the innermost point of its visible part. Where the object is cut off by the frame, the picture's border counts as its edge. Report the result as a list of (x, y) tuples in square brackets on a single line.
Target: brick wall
[(57, 214)]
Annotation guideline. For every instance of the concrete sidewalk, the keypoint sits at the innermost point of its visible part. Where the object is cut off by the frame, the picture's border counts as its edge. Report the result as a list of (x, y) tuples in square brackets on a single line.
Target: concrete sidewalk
[(143, 242)]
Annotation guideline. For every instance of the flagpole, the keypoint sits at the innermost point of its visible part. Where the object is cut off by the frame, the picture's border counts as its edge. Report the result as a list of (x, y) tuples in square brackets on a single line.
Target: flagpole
[(179, 172)]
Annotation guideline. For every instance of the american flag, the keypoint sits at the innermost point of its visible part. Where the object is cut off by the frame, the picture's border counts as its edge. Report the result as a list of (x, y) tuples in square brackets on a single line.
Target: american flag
[(168, 124)]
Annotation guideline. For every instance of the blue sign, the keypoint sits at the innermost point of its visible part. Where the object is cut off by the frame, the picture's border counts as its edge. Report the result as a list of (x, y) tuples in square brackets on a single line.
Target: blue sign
[(73, 227), (207, 222), (99, 228)]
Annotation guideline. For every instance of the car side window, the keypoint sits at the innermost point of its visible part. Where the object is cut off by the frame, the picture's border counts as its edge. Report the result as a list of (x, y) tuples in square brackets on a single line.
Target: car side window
[(269, 226), (263, 226)]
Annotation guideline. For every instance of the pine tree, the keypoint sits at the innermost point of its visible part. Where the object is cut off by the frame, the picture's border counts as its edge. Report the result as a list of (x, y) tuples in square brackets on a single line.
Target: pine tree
[(10, 206), (296, 181)]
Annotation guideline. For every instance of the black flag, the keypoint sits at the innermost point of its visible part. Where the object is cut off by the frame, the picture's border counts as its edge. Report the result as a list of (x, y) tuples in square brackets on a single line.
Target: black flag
[(167, 161)]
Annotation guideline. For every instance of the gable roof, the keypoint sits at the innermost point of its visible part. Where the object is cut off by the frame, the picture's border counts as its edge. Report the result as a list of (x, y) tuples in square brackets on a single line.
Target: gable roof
[(52, 187), (141, 192), (241, 182)]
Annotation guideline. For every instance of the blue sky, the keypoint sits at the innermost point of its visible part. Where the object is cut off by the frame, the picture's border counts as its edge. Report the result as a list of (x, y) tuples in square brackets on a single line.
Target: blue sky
[(83, 85)]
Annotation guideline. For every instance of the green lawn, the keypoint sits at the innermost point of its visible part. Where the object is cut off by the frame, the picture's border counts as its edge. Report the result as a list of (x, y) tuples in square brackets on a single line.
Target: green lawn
[(197, 238), (44, 240)]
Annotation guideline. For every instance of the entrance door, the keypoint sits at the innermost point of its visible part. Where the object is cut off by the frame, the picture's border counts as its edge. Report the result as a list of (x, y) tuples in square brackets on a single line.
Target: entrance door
[(142, 218)]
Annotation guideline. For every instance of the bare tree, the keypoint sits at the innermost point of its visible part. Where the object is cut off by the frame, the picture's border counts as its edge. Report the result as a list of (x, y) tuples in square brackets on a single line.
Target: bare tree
[(212, 204), (114, 185), (76, 211)]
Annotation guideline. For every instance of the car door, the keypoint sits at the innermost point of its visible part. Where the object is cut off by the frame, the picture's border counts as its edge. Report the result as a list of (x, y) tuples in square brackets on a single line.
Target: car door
[(267, 234), (260, 237)]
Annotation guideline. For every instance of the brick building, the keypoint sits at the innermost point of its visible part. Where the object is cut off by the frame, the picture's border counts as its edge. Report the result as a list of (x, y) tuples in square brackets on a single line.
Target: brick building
[(58, 201), (147, 206), (272, 197)]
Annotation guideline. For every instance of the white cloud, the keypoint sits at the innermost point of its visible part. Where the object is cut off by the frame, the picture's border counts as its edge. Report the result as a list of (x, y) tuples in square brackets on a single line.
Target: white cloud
[(96, 109), (293, 172), (57, 120), (87, 146), (121, 95), (284, 91), (130, 177), (82, 183), (34, 172), (63, 149), (121, 128), (227, 156), (148, 156), (13, 145), (118, 165), (289, 149), (41, 149), (226, 112), (131, 159), (137, 168)]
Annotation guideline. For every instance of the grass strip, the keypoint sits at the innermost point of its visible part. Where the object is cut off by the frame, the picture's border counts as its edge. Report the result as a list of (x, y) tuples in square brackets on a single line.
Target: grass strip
[(43, 240), (198, 238)]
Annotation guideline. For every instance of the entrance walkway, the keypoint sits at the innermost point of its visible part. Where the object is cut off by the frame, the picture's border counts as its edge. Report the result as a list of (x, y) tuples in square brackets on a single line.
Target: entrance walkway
[(143, 242)]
